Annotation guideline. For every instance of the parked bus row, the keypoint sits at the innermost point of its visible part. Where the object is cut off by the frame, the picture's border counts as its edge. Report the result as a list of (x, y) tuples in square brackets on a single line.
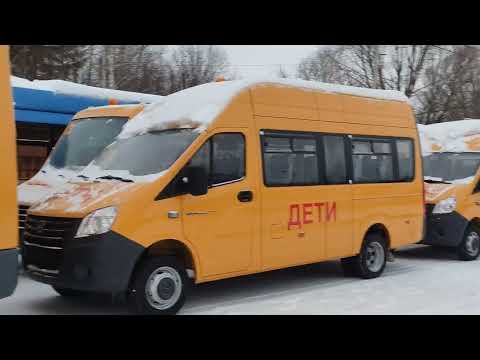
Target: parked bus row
[(233, 178)]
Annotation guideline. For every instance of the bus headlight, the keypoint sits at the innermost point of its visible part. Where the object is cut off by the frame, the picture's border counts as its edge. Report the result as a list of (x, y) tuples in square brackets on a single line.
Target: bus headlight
[(98, 222), (445, 206)]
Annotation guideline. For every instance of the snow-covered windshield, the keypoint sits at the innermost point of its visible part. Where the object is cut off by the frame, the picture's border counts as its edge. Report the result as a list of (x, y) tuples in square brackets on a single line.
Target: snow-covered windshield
[(84, 140), (146, 154), (450, 166)]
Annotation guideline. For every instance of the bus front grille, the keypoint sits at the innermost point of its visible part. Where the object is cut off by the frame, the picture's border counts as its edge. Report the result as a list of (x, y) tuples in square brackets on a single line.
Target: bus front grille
[(22, 217), (44, 241)]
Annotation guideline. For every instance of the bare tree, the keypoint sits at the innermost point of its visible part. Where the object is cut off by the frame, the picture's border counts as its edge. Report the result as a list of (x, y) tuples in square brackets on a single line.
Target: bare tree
[(47, 61), (323, 65), (282, 73), (452, 87), (396, 67), (192, 65), (141, 68)]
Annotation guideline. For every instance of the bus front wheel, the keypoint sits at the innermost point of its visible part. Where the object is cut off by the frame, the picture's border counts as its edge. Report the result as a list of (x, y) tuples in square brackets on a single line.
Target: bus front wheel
[(158, 286)]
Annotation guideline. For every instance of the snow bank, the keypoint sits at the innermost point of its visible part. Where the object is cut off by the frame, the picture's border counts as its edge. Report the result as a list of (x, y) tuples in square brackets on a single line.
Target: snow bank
[(452, 136), (70, 88), (198, 106)]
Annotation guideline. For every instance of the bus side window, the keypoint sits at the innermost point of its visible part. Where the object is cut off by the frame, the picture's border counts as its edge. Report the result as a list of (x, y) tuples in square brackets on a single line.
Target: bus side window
[(372, 161), (335, 159), (202, 157), (290, 160), (227, 158), (405, 159)]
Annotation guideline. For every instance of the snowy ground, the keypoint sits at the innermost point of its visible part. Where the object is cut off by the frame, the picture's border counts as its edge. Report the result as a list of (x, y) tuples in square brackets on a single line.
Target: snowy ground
[(422, 280)]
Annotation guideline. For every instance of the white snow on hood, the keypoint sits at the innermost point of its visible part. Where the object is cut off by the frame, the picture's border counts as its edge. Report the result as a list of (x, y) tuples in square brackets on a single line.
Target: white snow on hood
[(466, 180), (198, 106), (45, 183), (452, 136)]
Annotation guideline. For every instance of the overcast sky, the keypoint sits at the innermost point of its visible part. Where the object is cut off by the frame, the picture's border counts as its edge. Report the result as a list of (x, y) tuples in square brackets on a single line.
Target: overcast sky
[(268, 56)]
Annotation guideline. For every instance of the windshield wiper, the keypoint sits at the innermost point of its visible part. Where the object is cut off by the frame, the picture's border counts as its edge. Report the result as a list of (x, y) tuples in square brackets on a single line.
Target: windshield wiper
[(83, 177), (110, 177)]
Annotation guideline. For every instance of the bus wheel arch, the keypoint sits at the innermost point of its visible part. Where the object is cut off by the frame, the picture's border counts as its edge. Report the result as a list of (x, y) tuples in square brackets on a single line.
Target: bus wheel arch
[(160, 280), (475, 222), (175, 248), (381, 230)]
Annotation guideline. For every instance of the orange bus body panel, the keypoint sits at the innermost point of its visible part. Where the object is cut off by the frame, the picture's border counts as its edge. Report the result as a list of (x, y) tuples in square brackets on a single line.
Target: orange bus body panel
[(8, 158), (8, 191)]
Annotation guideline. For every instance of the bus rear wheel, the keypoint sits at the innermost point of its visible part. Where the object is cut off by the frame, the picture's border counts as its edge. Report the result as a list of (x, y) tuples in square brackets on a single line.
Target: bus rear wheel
[(158, 286), (469, 248), (371, 261)]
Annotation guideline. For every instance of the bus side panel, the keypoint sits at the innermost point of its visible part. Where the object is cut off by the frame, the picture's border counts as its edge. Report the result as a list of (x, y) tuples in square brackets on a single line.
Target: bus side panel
[(8, 191), (375, 112), (397, 206)]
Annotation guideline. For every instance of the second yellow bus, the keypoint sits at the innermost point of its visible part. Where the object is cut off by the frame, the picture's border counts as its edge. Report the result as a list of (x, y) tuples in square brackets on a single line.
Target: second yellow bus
[(233, 178)]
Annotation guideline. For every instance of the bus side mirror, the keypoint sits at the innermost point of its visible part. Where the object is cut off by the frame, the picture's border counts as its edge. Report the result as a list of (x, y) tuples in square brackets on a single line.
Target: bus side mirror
[(196, 180)]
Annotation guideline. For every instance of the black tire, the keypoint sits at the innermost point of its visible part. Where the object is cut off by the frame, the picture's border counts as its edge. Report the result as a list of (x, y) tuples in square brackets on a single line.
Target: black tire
[(138, 300), (360, 265), (469, 247), (347, 267), (65, 292)]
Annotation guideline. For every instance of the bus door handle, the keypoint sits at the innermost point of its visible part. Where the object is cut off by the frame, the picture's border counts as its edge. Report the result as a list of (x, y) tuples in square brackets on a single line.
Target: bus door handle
[(198, 213), (245, 196)]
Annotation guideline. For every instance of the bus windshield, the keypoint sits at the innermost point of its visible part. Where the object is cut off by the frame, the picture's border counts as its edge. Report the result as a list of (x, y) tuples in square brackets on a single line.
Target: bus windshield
[(449, 167), (146, 154), (86, 138)]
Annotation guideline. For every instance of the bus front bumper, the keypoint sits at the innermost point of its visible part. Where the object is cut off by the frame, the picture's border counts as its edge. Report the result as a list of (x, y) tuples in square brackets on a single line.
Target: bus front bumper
[(8, 272), (100, 263), (444, 229)]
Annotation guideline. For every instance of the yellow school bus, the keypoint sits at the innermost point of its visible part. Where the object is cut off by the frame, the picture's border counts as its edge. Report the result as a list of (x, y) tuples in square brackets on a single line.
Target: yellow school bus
[(451, 169), (89, 132), (8, 159), (233, 178)]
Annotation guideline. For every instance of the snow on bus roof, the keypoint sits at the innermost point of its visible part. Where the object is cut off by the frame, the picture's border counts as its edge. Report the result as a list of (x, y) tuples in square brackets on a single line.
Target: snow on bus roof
[(70, 88), (198, 106), (451, 136)]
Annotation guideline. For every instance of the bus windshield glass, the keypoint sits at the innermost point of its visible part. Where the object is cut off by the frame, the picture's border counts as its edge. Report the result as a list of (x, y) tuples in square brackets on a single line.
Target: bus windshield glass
[(449, 167), (146, 154), (85, 140)]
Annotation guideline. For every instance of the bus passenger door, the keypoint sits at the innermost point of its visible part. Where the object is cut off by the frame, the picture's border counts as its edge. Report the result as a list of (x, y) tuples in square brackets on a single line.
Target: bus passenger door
[(306, 199), (293, 211), (221, 223)]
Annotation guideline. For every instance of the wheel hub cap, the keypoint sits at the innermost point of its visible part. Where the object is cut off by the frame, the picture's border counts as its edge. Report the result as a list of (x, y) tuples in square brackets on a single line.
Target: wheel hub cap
[(375, 256), (472, 245), (163, 288)]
